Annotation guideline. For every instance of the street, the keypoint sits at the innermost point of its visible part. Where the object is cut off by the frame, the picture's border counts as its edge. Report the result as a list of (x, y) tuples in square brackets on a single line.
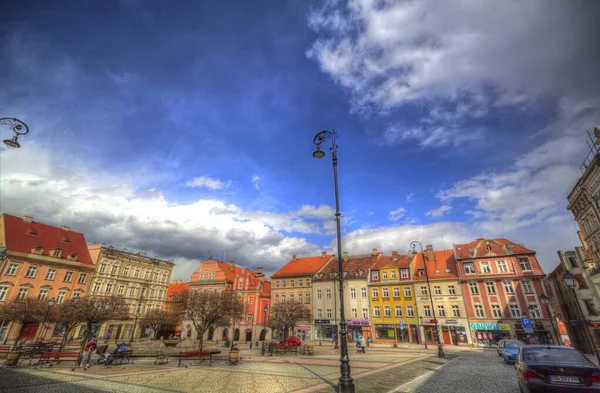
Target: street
[(474, 372)]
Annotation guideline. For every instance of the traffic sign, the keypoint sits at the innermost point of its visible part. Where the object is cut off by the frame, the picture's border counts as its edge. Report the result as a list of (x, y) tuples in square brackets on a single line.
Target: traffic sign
[(526, 323), (401, 325), (183, 329)]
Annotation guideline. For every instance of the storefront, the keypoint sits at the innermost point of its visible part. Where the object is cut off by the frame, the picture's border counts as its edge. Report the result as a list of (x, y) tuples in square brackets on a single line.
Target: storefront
[(407, 333), (454, 331), (304, 332), (539, 335), (358, 328), (324, 329), (385, 332), (488, 334)]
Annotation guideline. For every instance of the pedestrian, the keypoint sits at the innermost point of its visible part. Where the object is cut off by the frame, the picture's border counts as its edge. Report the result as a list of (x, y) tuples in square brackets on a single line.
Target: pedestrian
[(89, 349), (108, 335)]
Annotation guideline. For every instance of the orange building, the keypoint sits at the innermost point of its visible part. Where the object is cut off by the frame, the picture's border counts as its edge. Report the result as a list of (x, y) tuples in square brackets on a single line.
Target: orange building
[(41, 261)]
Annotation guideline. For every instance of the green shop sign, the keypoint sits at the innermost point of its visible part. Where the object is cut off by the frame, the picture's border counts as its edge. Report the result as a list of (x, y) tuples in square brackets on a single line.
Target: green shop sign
[(490, 326)]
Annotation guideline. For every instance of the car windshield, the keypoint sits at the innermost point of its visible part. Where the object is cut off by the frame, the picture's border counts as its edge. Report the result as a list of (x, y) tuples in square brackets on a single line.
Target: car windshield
[(550, 354), (512, 344)]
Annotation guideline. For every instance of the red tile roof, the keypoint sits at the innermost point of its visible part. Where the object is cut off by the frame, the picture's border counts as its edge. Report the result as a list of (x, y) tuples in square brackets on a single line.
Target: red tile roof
[(354, 266), (303, 266), (176, 287), (498, 247), (443, 261), (23, 237), (399, 261)]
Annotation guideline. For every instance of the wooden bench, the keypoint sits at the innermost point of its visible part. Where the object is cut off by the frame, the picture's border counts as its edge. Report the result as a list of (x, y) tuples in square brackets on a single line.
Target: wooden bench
[(183, 356), (56, 357), (282, 348), (162, 357), (4, 349), (118, 357)]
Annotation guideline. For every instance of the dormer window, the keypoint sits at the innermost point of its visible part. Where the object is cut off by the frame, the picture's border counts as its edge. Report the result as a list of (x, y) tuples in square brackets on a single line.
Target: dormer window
[(32, 233), (57, 252), (510, 246), (72, 256), (421, 272), (38, 250), (65, 240), (437, 271)]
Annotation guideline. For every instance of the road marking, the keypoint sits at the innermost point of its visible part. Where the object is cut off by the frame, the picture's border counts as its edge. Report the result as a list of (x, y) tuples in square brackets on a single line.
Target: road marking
[(427, 374)]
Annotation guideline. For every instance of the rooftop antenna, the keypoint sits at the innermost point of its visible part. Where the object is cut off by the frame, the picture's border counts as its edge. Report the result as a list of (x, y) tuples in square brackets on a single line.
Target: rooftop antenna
[(225, 254), (209, 254)]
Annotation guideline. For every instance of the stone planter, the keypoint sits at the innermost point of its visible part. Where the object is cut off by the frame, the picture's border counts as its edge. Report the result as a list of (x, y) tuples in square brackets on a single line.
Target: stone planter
[(234, 356), (12, 358), (170, 343)]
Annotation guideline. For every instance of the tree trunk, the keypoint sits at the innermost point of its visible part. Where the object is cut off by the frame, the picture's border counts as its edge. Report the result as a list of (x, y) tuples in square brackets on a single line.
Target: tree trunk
[(21, 327), (83, 343), (201, 341)]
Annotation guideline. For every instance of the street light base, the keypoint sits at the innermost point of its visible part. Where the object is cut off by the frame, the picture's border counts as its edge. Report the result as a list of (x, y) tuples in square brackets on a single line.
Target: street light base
[(346, 386)]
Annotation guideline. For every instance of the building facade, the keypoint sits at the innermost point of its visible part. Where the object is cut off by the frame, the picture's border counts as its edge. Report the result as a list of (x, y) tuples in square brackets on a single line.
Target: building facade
[(253, 289), (325, 306), (392, 298), (294, 282), (448, 307), (501, 281), (44, 262), (140, 280)]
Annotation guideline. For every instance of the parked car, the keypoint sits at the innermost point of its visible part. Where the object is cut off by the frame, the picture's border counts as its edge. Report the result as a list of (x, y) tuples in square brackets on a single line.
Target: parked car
[(500, 348), (510, 350), (291, 340), (553, 368)]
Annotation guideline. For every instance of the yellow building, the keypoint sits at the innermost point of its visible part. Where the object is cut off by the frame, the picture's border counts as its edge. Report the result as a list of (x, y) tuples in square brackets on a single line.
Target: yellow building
[(393, 304)]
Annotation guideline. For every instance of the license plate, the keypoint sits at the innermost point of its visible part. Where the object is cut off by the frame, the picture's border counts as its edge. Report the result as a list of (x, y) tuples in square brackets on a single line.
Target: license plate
[(563, 379)]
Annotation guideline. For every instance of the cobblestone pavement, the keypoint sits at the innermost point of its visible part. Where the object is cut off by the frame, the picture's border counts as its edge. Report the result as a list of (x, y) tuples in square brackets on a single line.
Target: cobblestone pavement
[(471, 372)]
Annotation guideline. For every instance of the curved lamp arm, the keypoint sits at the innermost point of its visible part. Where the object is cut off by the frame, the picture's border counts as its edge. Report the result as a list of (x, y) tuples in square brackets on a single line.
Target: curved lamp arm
[(18, 127)]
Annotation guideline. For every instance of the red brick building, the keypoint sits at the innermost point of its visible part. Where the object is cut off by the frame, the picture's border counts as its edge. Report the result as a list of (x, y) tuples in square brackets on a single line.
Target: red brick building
[(501, 280)]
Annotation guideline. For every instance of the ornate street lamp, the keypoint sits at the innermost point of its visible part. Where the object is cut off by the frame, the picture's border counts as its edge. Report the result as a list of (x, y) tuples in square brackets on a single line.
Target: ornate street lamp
[(265, 309), (18, 127), (571, 282), (346, 383), (546, 301), (51, 303), (441, 353)]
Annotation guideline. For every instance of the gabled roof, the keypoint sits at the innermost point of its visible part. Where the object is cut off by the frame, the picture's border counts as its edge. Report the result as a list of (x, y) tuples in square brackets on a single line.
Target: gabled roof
[(442, 261), (303, 266), (497, 247), (24, 235), (176, 287), (356, 266), (398, 261)]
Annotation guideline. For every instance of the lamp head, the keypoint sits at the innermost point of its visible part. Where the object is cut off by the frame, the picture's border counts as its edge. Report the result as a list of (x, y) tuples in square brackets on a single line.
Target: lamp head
[(570, 280), (12, 143), (317, 153), (266, 309), (51, 302), (544, 299)]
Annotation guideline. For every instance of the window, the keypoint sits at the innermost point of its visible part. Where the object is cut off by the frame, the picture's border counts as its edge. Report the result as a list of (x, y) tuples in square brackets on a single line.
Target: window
[(437, 290), (43, 294), (441, 311), (102, 268), (421, 272), (121, 289), (385, 292), (384, 276), (31, 272), (514, 311), (375, 292), (147, 275), (277, 284), (291, 297), (300, 297), (109, 288), (308, 282), (581, 284), (300, 283), (307, 297), (328, 313), (409, 311), (451, 290), (353, 293), (591, 308), (469, 268), (251, 300), (68, 276), (455, 311), (404, 273), (398, 311), (485, 267), (427, 310), (97, 287), (3, 292), (292, 283), (137, 273), (328, 291), (573, 262), (423, 291), (396, 292), (320, 313), (497, 311), (525, 265), (284, 283), (473, 288), (377, 311), (365, 313), (61, 297), (138, 309), (393, 273), (490, 287), (535, 311), (527, 288), (363, 292), (22, 293), (479, 311), (502, 266), (387, 311), (56, 253), (126, 271), (143, 292), (354, 313), (508, 287), (283, 298), (319, 295), (131, 291), (82, 278), (12, 269), (276, 298), (374, 275), (114, 270), (50, 275), (407, 292)]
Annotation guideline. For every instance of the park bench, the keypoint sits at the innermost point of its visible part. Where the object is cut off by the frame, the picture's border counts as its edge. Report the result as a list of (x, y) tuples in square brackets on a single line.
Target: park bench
[(4, 349), (282, 348), (119, 357), (162, 357), (56, 357), (201, 356)]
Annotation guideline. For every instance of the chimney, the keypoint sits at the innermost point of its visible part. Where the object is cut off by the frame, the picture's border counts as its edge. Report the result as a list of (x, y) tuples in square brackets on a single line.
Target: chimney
[(429, 247), (395, 254), (294, 258), (429, 252), (232, 266), (259, 270), (323, 254), (374, 252), (480, 238), (27, 219), (345, 255), (65, 228)]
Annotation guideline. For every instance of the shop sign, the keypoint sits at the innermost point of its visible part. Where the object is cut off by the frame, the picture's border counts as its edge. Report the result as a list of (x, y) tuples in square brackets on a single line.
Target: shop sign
[(490, 326), (450, 322), (358, 322), (385, 326), (323, 321), (594, 325), (504, 326), (303, 327), (429, 321)]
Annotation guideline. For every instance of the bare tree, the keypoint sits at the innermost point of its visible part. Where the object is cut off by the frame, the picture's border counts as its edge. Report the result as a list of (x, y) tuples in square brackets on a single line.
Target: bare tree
[(208, 309), (68, 315), (158, 318), (23, 311), (287, 315)]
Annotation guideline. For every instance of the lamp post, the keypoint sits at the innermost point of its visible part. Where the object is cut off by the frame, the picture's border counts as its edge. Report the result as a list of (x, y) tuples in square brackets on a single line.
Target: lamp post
[(545, 301), (51, 303), (423, 337), (346, 383), (571, 282), (18, 127), (251, 318), (233, 333), (265, 309), (531, 309), (441, 353), (137, 316)]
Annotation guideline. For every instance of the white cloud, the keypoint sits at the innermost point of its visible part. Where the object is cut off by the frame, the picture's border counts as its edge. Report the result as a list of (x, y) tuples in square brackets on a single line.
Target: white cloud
[(397, 214), (322, 212), (208, 183), (410, 198), (256, 181), (439, 211)]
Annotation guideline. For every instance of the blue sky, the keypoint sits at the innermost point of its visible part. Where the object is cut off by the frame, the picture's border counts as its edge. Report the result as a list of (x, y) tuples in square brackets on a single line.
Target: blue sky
[(181, 127)]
